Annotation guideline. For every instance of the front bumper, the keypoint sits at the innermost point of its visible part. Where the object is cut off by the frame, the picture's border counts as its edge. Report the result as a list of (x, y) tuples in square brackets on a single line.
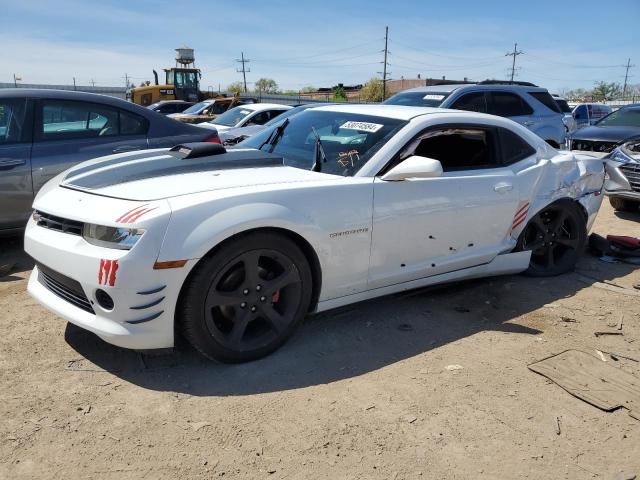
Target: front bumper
[(623, 180), (144, 299)]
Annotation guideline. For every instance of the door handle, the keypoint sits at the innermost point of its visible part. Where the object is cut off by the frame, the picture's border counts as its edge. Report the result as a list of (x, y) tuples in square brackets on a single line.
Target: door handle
[(9, 163), (503, 187), (528, 123), (125, 148)]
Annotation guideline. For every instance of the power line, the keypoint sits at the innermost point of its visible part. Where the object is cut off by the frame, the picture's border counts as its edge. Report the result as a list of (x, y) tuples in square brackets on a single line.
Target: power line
[(514, 54), (244, 69), (443, 56)]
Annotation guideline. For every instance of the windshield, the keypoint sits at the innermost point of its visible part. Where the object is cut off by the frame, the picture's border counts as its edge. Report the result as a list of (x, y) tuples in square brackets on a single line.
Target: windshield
[(186, 80), (232, 117), (625, 117), (197, 108), (349, 140), (418, 99)]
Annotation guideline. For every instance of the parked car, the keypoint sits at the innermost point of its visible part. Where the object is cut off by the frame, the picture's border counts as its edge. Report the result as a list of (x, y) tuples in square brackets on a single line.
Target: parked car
[(235, 135), (623, 180), (524, 103), (43, 132), (167, 107), (567, 112), (245, 116), (608, 132), (589, 113), (344, 203), (208, 109)]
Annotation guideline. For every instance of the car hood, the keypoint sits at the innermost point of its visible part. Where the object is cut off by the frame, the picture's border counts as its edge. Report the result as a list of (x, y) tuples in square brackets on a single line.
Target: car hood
[(166, 174), (605, 134), (236, 132)]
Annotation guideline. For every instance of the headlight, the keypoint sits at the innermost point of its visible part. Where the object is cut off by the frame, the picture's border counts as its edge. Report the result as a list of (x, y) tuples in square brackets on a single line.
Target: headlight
[(111, 237)]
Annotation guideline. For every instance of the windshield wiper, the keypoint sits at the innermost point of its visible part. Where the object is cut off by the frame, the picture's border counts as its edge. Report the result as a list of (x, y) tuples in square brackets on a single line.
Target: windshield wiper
[(275, 136), (318, 153)]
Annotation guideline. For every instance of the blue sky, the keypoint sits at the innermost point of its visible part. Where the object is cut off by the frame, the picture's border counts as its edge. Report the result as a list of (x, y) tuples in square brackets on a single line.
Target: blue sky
[(566, 44)]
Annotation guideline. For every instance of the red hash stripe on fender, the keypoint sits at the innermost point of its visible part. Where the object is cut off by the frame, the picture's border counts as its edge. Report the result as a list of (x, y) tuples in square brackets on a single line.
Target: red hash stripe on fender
[(134, 214), (107, 272), (133, 211)]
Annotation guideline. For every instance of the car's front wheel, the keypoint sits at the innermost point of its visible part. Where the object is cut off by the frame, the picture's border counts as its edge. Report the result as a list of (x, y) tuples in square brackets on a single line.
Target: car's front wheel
[(556, 237), (624, 205), (247, 298)]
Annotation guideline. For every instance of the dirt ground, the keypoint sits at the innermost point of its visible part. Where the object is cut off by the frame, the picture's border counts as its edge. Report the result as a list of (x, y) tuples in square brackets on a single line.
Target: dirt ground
[(359, 393)]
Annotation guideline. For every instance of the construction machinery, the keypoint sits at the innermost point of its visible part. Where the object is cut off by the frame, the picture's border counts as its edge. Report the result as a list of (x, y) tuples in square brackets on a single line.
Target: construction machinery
[(182, 82)]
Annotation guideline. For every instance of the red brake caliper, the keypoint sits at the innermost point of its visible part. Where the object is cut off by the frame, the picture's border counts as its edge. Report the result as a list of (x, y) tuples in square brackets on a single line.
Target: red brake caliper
[(275, 297)]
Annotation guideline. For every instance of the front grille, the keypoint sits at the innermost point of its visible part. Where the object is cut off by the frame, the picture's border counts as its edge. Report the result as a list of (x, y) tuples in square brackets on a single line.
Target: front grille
[(60, 224), (591, 146), (64, 287), (632, 173)]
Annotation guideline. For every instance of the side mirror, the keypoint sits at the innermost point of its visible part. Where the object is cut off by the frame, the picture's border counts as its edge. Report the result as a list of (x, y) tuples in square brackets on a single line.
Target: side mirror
[(577, 116), (414, 167)]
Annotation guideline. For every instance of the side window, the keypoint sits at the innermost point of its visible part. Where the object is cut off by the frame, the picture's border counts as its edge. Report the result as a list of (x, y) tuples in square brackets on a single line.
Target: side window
[(513, 148), (457, 148), (547, 100), (259, 119), (12, 114), (64, 120), (506, 104), (274, 113), (132, 124), (472, 102), (581, 111), (219, 107)]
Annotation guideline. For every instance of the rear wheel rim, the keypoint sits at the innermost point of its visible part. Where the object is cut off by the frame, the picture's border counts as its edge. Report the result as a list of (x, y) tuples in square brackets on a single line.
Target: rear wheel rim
[(253, 300), (553, 236)]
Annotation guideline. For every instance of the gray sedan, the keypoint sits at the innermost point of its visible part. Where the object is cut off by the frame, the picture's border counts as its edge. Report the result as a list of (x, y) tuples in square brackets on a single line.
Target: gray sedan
[(43, 132)]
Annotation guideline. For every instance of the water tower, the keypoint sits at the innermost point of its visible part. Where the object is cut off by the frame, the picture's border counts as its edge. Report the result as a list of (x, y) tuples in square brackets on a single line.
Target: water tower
[(185, 57)]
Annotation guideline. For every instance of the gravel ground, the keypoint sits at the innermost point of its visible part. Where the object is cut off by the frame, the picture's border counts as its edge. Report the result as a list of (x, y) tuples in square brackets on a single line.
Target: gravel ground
[(428, 384)]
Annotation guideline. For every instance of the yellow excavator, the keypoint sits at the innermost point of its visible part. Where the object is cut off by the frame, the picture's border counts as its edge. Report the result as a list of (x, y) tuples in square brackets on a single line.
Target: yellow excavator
[(182, 82)]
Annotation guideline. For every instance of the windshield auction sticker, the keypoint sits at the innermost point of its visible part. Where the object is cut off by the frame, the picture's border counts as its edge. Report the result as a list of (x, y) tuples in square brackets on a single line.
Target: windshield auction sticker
[(362, 126), (432, 96)]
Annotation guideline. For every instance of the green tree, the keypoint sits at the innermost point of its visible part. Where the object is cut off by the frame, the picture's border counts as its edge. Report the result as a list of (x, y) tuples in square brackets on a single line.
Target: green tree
[(372, 91), (266, 85), (235, 87), (308, 89), (290, 92), (339, 94), (606, 91)]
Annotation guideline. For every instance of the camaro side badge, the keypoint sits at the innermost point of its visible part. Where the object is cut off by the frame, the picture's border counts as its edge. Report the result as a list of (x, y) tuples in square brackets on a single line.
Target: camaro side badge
[(134, 214), (349, 232), (107, 272)]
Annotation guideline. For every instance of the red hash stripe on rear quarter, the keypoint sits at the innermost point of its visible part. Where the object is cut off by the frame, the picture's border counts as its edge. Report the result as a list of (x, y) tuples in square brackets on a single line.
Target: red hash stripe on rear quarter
[(107, 272)]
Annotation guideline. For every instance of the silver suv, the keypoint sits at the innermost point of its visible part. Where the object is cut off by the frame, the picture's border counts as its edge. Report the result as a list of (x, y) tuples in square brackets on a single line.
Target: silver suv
[(525, 103)]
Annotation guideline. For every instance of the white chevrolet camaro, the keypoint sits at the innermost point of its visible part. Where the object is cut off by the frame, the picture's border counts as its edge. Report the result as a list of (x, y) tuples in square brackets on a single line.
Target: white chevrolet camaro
[(336, 205)]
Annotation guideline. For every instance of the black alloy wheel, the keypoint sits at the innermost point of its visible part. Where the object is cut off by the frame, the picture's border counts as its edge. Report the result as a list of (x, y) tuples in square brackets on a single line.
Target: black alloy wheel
[(556, 237), (252, 294)]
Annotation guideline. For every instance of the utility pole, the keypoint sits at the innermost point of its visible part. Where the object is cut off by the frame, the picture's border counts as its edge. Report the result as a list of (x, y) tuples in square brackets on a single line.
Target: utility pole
[(384, 66), (244, 70), (126, 81), (15, 81), (626, 77), (514, 54), (93, 84), (74, 83)]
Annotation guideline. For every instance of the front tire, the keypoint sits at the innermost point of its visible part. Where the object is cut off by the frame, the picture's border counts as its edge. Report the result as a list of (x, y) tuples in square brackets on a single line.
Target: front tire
[(246, 299), (556, 237), (624, 205)]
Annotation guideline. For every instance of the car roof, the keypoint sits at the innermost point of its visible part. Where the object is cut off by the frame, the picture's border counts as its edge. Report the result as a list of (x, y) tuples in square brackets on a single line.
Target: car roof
[(399, 112), (72, 95), (452, 87), (264, 106)]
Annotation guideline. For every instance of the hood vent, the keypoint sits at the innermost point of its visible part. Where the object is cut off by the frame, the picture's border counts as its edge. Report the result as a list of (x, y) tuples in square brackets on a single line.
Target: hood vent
[(186, 151)]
